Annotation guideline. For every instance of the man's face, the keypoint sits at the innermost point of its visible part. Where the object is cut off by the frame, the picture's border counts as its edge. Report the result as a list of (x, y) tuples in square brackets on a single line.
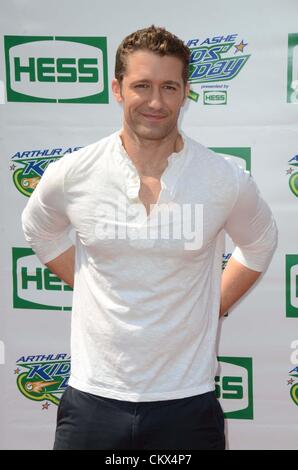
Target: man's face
[(152, 93)]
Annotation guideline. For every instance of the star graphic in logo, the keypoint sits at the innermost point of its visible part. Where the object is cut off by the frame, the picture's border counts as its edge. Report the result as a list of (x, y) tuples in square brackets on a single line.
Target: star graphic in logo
[(45, 406), (17, 371), (240, 47), (290, 381), (290, 171), (12, 167)]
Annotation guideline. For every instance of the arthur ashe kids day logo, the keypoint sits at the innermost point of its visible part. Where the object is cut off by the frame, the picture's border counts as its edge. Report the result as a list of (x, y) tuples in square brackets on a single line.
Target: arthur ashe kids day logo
[(293, 373), (43, 378), (56, 69), (213, 61), (292, 172), (28, 166)]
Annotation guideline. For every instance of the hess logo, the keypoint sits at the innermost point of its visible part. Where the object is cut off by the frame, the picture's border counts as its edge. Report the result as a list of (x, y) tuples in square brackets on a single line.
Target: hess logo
[(56, 69), (215, 97)]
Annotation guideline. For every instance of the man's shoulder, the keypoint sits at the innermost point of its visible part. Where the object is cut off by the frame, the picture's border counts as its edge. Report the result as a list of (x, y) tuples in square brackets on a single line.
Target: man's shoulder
[(207, 158), (86, 157), (94, 149)]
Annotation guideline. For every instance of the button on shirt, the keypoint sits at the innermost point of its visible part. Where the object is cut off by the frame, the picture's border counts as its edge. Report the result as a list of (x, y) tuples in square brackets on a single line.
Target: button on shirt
[(147, 288)]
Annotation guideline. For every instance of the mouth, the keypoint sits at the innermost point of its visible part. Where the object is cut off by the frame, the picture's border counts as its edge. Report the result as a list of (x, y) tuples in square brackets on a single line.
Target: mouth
[(153, 117)]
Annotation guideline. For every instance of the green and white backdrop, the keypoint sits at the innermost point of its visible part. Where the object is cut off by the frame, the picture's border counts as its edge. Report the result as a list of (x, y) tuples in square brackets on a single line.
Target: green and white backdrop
[(56, 65)]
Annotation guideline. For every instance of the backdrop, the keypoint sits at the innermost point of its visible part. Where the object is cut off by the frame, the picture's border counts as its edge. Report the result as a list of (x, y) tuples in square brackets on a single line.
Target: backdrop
[(56, 65)]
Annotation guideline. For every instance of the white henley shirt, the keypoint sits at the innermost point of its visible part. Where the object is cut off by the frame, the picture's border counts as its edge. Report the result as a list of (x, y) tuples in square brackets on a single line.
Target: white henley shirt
[(146, 308)]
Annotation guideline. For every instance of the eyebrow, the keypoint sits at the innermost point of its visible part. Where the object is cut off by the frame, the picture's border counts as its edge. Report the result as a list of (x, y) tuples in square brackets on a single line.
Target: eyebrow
[(166, 82)]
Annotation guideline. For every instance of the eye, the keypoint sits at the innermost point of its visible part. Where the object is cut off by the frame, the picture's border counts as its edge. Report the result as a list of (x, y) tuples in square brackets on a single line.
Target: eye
[(141, 85), (170, 87)]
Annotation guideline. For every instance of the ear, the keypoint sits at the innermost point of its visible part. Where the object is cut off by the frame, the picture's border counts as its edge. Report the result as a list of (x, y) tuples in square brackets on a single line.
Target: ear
[(116, 89), (186, 92)]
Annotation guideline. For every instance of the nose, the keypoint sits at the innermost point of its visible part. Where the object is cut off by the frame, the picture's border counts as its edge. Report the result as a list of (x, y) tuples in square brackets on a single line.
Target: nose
[(155, 98)]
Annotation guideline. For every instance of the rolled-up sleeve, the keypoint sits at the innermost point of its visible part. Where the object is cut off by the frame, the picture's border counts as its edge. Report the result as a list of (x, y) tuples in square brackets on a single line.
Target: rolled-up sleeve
[(251, 225), (45, 223)]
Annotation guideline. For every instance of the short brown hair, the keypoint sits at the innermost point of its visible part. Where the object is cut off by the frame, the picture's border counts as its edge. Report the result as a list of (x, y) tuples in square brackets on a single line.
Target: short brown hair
[(155, 39)]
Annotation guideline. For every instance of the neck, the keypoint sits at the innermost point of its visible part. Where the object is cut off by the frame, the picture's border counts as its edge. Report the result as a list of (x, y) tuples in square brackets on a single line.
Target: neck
[(150, 156)]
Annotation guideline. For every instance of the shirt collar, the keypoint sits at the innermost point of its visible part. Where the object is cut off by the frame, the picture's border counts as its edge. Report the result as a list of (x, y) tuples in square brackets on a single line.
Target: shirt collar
[(169, 178)]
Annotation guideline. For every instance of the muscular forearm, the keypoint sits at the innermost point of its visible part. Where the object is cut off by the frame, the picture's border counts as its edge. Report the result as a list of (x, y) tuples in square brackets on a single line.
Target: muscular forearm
[(63, 266), (236, 280)]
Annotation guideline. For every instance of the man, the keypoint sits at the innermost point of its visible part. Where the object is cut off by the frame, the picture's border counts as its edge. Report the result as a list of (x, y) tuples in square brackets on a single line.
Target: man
[(146, 302)]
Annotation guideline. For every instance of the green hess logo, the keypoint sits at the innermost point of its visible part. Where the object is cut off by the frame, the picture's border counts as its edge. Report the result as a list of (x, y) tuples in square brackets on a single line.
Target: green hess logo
[(292, 85), (215, 97), (292, 286), (35, 286), (56, 69), (234, 387)]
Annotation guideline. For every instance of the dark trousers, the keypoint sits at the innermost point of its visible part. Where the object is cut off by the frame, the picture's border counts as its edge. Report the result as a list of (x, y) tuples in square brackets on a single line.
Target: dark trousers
[(87, 421)]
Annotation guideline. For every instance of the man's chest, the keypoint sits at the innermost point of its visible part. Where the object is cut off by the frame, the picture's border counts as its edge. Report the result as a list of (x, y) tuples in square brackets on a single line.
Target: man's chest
[(112, 211), (150, 188)]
